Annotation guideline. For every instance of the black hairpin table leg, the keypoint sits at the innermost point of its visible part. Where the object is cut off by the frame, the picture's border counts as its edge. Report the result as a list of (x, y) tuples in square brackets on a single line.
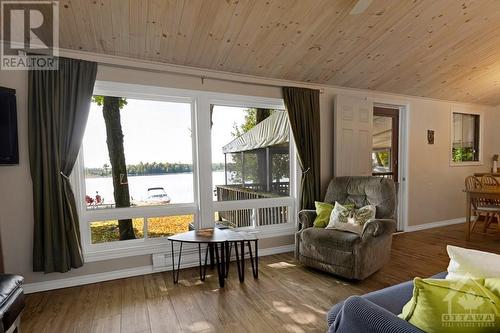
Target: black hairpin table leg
[(228, 256), (239, 262), (223, 260), (242, 261), (202, 278), (175, 273), (256, 273), (220, 263), (203, 267), (212, 261), (255, 264)]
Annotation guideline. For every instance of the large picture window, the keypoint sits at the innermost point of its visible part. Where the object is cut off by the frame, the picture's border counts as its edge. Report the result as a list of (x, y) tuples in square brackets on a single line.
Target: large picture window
[(137, 153), (157, 161)]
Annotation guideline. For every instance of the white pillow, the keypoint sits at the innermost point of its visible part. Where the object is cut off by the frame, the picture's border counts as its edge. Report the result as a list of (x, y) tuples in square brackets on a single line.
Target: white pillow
[(467, 263), (350, 219)]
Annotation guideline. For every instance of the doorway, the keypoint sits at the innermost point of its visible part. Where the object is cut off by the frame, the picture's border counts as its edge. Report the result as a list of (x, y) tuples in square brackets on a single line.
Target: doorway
[(386, 149)]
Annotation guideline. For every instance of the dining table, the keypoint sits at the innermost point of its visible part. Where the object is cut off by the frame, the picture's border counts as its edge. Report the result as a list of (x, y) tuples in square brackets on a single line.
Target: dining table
[(491, 193)]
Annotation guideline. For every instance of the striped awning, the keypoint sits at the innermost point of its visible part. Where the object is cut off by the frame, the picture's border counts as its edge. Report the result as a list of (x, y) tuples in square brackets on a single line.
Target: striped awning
[(272, 131)]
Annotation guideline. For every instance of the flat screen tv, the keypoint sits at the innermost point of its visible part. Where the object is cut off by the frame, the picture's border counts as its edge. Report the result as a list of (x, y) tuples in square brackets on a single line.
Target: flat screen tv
[(9, 153)]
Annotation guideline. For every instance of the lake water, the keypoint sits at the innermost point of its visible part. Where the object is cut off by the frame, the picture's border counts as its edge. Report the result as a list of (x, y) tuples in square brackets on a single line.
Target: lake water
[(178, 186)]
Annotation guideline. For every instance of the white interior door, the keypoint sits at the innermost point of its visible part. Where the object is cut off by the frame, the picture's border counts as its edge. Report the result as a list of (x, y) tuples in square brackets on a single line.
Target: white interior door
[(353, 136)]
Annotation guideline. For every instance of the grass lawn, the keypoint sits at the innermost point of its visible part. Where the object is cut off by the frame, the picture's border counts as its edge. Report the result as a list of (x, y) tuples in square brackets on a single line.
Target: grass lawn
[(107, 231)]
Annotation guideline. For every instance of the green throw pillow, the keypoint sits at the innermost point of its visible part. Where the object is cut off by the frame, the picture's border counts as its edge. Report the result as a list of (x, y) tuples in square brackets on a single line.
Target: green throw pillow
[(454, 306), (323, 211)]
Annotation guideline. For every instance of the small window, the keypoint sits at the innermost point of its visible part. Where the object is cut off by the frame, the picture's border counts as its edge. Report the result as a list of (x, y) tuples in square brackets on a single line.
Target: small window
[(465, 138)]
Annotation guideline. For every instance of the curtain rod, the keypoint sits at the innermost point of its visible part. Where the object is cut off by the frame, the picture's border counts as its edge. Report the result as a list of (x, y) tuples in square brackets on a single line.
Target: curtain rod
[(92, 57), (201, 77)]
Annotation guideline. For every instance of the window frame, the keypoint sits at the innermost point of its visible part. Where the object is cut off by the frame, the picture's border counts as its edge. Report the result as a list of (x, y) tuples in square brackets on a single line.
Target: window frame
[(290, 201), (109, 250), (203, 206), (480, 161)]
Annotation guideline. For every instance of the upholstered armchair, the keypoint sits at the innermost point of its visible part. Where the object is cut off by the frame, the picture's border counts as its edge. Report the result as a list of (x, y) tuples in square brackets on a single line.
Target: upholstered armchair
[(350, 255)]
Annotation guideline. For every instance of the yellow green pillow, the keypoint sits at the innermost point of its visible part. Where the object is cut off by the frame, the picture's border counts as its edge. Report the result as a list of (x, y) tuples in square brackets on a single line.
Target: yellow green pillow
[(323, 211), (454, 306)]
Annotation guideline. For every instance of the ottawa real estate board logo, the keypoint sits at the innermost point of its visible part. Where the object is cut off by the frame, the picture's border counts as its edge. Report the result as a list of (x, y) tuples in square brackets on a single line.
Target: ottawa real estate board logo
[(467, 310), (29, 35)]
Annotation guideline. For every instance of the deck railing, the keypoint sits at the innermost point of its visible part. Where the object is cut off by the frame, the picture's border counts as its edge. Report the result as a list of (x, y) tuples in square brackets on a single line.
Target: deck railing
[(245, 217), (389, 175)]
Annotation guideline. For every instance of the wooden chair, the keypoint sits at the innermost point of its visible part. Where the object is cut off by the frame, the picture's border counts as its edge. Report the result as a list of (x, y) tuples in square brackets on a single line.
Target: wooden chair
[(480, 208), (490, 182), (472, 183)]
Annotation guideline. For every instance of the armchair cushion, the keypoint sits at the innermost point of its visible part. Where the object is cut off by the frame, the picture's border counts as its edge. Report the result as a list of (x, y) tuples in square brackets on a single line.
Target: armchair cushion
[(331, 238), (330, 250)]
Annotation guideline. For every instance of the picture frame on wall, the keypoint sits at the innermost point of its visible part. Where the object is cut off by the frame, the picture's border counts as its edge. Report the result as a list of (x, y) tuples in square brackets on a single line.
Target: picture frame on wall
[(430, 137)]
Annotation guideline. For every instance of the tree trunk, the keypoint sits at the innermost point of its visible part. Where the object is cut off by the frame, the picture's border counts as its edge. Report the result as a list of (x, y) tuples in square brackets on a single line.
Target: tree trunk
[(114, 134), (261, 115)]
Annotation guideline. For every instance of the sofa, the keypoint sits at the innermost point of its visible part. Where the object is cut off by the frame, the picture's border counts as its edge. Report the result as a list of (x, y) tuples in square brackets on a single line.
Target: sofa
[(376, 312), (12, 302), (347, 254)]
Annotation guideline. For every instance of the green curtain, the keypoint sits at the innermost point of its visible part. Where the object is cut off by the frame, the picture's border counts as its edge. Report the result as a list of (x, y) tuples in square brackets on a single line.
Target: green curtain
[(303, 111), (58, 107)]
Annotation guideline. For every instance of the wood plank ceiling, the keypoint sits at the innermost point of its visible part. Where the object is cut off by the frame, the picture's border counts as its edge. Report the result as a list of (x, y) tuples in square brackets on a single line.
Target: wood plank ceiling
[(445, 49)]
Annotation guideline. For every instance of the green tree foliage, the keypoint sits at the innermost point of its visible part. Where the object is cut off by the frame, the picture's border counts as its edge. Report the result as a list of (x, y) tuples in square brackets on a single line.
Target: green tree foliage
[(465, 154), (249, 123), (146, 169), (281, 167), (99, 100), (382, 158), (158, 168)]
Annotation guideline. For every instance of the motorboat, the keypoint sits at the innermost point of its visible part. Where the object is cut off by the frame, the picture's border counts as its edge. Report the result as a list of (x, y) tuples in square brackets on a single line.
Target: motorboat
[(157, 195)]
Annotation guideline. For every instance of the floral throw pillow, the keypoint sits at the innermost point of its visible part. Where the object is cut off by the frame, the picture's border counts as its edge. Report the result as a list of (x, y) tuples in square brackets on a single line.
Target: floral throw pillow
[(364, 214), (340, 213), (350, 219)]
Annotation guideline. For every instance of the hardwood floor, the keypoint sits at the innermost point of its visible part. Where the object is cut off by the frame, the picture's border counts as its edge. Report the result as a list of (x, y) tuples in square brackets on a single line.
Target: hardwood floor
[(287, 297)]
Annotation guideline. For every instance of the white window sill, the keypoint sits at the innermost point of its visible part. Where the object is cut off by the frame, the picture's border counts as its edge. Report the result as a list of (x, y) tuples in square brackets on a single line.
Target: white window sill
[(123, 249), (466, 164)]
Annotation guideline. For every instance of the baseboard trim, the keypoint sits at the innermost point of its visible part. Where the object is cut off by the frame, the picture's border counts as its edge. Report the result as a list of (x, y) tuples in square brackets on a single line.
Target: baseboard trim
[(412, 228), (86, 279), (35, 287), (276, 250)]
